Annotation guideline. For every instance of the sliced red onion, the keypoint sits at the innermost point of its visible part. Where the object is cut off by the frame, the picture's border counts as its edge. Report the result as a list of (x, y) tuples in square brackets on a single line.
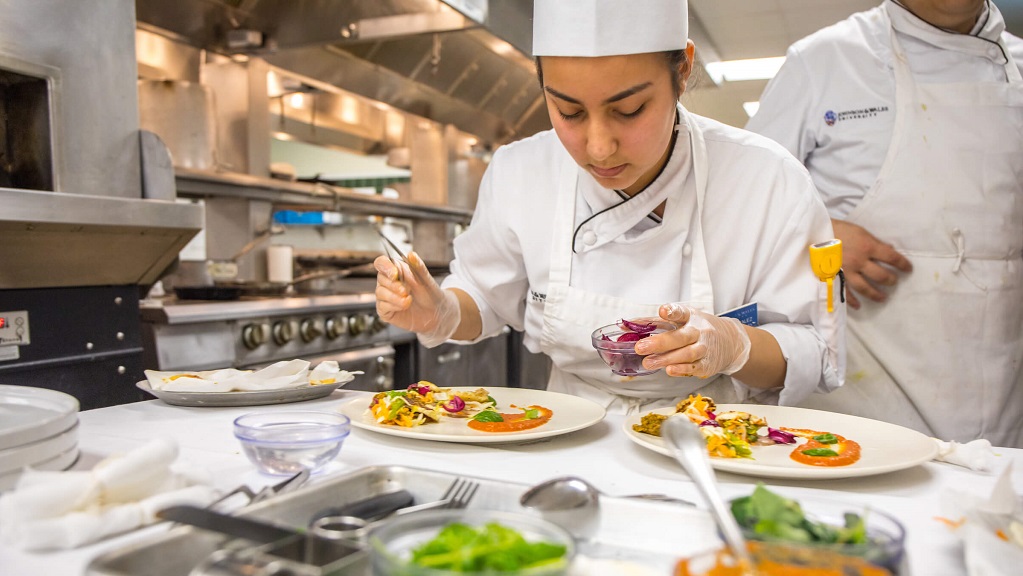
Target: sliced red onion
[(780, 437), (710, 422), (422, 390), (712, 416), (604, 337), (631, 337), (640, 327), (456, 404)]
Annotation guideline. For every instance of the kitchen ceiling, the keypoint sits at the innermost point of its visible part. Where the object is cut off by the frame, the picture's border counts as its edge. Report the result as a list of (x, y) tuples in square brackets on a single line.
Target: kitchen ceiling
[(417, 56)]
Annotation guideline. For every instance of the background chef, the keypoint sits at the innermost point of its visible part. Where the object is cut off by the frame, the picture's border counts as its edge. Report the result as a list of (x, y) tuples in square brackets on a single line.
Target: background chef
[(630, 207), (909, 117)]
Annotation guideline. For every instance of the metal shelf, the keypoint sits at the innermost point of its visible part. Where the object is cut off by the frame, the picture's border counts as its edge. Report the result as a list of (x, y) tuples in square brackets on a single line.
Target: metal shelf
[(199, 183)]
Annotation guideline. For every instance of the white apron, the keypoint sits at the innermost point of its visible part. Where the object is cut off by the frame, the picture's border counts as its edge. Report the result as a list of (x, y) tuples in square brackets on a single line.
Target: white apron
[(572, 313), (943, 354)]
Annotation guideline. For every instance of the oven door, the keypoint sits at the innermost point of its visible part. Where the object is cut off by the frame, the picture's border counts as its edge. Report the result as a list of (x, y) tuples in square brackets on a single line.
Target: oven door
[(376, 364)]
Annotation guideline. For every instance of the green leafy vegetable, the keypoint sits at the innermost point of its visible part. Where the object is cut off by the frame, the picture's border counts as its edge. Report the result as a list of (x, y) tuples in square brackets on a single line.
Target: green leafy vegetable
[(532, 413), (819, 452), (488, 416), (826, 438), (492, 547), (773, 517)]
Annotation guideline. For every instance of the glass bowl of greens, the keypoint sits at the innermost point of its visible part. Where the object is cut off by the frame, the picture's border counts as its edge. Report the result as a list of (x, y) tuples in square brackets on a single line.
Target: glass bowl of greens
[(469, 542), (818, 528)]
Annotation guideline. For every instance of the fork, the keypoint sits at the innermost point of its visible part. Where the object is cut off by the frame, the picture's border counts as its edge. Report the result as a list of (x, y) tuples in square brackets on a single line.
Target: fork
[(457, 496)]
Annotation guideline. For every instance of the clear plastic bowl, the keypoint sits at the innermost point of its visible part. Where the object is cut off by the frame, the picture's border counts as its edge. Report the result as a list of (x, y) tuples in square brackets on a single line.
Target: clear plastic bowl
[(882, 554), (391, 542), (620, 357), (285, 443)]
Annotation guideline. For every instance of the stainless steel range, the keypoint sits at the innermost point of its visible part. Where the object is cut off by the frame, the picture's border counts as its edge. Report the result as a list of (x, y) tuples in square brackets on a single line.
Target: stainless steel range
[(200, 335)]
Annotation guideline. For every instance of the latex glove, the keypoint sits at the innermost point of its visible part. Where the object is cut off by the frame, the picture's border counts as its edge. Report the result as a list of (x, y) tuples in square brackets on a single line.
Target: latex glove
[(408, 297), (867, 262), (702, 346)]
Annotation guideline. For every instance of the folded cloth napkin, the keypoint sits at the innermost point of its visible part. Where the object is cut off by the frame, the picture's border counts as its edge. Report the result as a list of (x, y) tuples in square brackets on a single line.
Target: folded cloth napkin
[(975, 455), (284, 374), (61, 510), (991, 527)]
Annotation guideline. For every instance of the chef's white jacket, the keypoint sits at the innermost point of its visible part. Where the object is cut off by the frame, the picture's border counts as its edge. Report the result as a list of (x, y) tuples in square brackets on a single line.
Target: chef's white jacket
[(761, 213), (832, 104)]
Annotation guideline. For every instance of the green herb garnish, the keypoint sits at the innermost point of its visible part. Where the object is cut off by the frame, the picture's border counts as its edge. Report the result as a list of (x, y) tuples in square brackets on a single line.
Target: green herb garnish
[(531, 414), (819, 452), (492, 547), (826, 438), (488, 416), (773, 517)]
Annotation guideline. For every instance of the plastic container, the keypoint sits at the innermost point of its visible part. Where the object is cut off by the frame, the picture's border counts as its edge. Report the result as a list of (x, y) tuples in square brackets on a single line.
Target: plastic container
[(882, 555), (284, 443), (620, 357), (886, 536), (391, 543)]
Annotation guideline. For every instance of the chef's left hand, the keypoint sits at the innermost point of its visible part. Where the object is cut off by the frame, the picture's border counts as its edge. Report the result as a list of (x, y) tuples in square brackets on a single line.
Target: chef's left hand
[(702, 346)]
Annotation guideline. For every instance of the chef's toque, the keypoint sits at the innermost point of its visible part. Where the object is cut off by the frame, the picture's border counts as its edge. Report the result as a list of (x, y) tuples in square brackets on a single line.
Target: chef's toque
[(609, 27)]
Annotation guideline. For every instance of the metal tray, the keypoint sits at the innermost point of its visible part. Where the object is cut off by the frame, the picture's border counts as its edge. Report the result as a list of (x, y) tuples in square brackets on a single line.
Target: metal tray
[(240, 398), (646, 533)]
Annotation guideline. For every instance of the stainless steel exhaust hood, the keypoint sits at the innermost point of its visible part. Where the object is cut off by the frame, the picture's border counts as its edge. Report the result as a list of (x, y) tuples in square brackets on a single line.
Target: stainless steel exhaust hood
[(458, 62), (81, 204)]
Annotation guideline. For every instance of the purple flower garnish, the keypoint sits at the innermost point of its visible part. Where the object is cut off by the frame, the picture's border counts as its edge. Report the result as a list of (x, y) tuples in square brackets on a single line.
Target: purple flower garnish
[(640, 327), (456, 404)]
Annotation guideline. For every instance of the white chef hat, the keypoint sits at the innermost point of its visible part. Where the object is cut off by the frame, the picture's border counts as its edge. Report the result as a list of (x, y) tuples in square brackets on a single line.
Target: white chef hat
[(608, 27)]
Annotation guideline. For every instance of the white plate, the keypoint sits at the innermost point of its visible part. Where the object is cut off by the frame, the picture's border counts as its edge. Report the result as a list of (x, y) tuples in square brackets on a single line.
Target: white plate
[(28, 414), (13, 459), (884, 447), (571, 413), (241, 398), (60, 462)]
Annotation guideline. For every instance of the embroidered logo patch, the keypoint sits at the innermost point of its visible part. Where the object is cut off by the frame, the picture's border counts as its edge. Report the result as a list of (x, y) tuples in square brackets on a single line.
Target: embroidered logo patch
[(831, 117)]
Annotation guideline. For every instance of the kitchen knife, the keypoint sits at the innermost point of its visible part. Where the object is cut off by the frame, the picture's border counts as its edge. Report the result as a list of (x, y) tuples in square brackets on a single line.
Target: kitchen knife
[(370, 508), (238, 526)]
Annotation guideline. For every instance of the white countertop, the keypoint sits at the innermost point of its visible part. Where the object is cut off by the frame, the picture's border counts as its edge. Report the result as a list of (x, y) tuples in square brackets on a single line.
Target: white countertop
[(601, 454)]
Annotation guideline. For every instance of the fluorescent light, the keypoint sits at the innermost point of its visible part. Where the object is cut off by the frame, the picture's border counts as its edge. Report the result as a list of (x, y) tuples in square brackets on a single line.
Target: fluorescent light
[(751, 108), (735, 70)]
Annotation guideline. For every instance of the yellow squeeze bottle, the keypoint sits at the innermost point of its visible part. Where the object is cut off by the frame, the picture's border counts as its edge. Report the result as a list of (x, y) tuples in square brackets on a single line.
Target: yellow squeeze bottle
[(826, 261)]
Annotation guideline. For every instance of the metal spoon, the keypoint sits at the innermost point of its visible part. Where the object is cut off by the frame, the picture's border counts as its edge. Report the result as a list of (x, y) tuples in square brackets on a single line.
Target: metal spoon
[(690, 449), (569, 492)]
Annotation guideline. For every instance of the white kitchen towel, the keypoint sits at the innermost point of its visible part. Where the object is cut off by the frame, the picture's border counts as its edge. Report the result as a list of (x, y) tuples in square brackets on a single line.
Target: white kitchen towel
[(60, 510), (975, 455), (989, 527)]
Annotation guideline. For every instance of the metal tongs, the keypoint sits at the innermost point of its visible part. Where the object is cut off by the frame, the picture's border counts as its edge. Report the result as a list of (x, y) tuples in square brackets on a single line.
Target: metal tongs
[(393, 252), (289, 484)]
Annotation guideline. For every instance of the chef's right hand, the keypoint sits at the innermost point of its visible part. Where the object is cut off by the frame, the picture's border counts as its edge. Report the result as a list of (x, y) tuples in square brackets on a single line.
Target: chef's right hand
[(408, 297), (867, 262)]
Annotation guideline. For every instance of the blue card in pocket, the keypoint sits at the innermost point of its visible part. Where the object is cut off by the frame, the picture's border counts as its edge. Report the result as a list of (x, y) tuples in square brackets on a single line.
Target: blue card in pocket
[(746, 314)]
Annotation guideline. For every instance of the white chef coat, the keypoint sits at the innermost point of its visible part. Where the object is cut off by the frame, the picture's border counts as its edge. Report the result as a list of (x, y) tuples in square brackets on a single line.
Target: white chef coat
[(846, 71), (942, 353), (760, 215)]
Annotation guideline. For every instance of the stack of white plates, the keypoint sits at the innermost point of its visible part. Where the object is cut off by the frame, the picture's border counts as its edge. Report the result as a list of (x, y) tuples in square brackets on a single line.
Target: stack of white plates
[(38, 429)]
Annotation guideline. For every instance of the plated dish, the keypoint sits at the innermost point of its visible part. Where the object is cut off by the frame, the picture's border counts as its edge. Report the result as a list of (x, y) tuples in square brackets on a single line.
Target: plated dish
[(29, 414), (570, 413), (241, 398), (884, 447)]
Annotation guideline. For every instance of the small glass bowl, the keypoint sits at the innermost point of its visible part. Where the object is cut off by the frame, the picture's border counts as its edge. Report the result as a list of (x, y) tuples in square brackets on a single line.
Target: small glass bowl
[(882, 554), (392, 541), (285, 443), (620, 357)]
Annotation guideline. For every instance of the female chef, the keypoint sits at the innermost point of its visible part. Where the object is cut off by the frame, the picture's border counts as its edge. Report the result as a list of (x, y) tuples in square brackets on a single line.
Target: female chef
[(909, 117), (632, 202)]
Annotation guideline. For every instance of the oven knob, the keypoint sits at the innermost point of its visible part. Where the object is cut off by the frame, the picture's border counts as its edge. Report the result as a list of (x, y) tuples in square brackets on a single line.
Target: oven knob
[(309, 330), (378, 325), (283, 332), (254, 335), (356, 324), (336, 326)]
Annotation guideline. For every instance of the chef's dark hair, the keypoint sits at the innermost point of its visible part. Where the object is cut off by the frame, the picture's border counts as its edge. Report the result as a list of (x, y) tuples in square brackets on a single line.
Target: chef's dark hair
[(676, 59)]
